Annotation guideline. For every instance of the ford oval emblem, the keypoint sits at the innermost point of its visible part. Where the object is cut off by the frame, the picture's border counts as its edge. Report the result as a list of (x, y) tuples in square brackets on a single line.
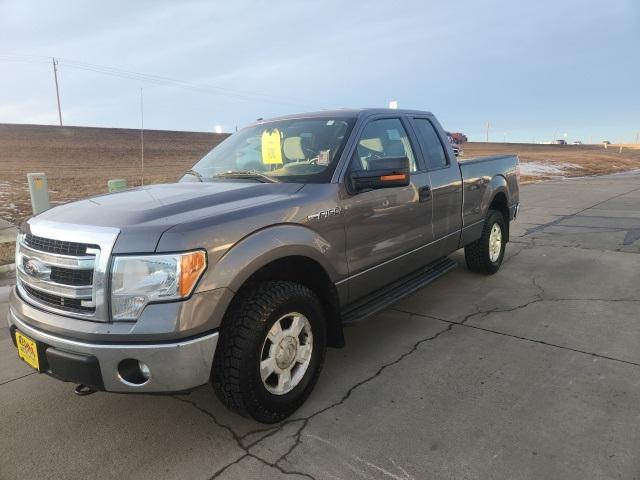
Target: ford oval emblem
[(34, 268)]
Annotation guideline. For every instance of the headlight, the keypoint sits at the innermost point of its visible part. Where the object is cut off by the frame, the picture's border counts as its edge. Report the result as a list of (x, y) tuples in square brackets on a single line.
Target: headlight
[(139, 280)]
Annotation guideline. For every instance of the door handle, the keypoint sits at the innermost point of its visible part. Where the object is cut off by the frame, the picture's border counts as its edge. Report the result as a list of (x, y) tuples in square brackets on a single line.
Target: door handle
[(424, 193)]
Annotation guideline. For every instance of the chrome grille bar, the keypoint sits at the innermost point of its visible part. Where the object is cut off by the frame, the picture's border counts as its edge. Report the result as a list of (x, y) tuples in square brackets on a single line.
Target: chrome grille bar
[(67, 291), (55, 260)]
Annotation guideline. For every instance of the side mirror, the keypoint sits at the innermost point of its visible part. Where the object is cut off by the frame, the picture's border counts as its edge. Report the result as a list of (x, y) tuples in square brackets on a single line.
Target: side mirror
[(383, 173)]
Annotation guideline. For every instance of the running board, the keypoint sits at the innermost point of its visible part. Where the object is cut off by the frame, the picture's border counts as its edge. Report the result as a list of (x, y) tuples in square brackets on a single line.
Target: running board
[(390, 294)]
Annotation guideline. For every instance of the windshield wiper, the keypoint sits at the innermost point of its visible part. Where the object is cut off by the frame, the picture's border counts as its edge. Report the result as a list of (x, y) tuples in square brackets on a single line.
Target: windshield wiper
[(196, 174), (252, 174)]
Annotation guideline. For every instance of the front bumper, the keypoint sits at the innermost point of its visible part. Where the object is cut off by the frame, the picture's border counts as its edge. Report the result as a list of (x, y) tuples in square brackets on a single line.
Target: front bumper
[(175, 366)]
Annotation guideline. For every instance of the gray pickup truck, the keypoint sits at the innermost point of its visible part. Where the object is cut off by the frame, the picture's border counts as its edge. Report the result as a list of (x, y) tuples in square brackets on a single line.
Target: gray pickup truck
[(248, 268)]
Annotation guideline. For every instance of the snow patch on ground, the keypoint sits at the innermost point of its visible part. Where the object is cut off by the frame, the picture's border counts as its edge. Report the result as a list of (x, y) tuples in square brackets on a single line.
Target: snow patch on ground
[(545, 169)]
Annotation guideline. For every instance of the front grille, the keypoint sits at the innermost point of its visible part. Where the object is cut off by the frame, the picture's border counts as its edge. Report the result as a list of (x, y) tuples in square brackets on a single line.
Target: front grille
[(58, 273), (58, 247), (63, 268), (67, 276), (71, 304)]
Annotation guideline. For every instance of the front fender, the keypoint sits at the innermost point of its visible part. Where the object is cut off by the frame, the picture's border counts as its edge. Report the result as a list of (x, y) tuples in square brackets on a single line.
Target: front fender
[(263, 247)]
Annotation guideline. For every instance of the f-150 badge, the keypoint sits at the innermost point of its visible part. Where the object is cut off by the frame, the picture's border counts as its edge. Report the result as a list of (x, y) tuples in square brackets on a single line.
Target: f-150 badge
[(321, 215)]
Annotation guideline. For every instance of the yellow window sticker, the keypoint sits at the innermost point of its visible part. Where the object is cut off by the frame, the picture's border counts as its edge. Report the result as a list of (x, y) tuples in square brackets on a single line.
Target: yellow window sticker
[(271, 151)]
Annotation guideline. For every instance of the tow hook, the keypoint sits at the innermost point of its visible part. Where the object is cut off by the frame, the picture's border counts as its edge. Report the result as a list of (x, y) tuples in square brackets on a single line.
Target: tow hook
[(83, 390)]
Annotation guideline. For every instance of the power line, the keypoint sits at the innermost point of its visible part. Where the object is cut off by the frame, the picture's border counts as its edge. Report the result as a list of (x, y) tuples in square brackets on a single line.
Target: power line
[(161, 80)]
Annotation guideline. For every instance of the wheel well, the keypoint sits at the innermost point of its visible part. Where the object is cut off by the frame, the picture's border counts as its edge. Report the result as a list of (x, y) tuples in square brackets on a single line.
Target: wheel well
[(500, 203), (312, 275)]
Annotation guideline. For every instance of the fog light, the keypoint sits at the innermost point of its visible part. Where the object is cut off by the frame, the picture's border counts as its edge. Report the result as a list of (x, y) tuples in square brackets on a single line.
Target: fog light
[(133, 372)]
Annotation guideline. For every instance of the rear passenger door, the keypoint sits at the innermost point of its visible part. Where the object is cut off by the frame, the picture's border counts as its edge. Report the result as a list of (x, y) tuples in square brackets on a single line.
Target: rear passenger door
[(386, 227), (446, 185)]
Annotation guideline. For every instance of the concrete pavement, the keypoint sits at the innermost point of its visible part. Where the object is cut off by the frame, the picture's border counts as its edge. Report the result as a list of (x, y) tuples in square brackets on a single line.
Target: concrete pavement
[(531, 373)]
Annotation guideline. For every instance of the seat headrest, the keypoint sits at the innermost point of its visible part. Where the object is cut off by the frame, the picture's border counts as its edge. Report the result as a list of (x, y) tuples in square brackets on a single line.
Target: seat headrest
[(292, 148), (374, 144)]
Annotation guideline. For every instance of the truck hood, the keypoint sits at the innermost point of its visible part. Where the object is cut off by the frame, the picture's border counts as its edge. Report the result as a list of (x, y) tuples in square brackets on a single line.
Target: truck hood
[(143, 214)]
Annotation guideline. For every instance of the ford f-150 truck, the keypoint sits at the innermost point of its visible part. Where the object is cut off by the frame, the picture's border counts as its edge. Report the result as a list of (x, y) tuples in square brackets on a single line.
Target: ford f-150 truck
[(243, 276)]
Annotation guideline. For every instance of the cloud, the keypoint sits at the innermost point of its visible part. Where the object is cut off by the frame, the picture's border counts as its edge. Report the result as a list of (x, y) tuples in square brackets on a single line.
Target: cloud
[(524, 66)]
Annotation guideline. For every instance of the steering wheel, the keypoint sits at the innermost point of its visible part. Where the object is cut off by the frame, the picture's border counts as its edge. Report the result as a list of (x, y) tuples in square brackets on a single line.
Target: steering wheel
[(308, 153)]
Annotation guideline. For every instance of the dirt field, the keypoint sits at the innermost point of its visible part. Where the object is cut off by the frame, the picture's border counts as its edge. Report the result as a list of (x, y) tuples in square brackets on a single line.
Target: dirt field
[(542, 162), (78, 161)]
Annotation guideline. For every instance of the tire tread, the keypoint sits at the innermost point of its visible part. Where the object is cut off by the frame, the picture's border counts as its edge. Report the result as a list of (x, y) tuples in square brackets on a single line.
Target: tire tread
[(242, 329), (476, 254)]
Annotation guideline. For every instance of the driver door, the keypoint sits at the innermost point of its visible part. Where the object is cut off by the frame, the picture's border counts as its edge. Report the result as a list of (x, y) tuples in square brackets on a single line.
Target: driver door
[(388, 230)]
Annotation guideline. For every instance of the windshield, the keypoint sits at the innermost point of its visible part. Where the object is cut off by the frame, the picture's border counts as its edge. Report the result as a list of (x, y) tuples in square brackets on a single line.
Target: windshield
[(296, 150)]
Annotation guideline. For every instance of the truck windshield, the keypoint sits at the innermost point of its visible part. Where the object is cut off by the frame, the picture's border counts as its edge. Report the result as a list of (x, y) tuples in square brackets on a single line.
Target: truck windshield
[(295, 150)]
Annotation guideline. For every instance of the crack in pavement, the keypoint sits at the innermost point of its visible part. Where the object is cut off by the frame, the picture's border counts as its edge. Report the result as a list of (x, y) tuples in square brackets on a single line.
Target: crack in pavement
[(571, 215), (404, 355), (579, 247), (539, 298), (304, 421), (533, 340), (238, 439), (269, 432), (17, 378), (346, 396), (265, 462), (527, 246)]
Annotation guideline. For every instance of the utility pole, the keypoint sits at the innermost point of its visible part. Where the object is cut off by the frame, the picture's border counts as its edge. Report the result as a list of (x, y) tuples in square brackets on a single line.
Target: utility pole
[(55, 76), (488, 132), (142, 137)]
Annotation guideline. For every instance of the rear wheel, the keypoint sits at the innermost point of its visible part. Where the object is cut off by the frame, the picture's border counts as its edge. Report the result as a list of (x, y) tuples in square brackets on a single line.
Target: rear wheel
[(485, 255), (271, 350)]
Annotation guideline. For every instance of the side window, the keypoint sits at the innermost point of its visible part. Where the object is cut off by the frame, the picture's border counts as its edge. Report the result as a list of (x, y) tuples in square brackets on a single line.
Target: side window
[(380, 139), (430, 143)]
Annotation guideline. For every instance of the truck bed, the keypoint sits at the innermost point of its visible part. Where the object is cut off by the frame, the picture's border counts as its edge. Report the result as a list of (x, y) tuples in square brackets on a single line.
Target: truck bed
[(481, 177)]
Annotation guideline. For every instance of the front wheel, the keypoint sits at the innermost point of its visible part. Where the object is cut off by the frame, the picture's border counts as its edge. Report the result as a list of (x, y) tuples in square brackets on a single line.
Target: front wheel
[(485, 255), (271, 350)]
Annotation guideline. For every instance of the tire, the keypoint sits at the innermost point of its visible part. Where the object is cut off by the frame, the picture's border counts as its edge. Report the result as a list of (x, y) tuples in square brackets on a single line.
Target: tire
[(237, 367), (479, 255)]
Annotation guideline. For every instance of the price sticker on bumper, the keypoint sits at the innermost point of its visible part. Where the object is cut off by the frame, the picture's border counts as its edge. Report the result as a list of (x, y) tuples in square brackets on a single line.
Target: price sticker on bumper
[(27, 350)]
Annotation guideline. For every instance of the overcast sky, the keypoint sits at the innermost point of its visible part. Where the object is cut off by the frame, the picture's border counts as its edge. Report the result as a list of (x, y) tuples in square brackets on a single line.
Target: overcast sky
[(533, 69)]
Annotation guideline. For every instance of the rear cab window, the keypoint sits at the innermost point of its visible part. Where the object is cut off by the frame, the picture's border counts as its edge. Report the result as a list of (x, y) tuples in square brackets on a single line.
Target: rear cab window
[(430, 143)]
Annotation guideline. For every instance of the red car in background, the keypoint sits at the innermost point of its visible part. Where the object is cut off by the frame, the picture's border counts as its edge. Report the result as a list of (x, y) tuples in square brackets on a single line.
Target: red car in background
[(457, 149)]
